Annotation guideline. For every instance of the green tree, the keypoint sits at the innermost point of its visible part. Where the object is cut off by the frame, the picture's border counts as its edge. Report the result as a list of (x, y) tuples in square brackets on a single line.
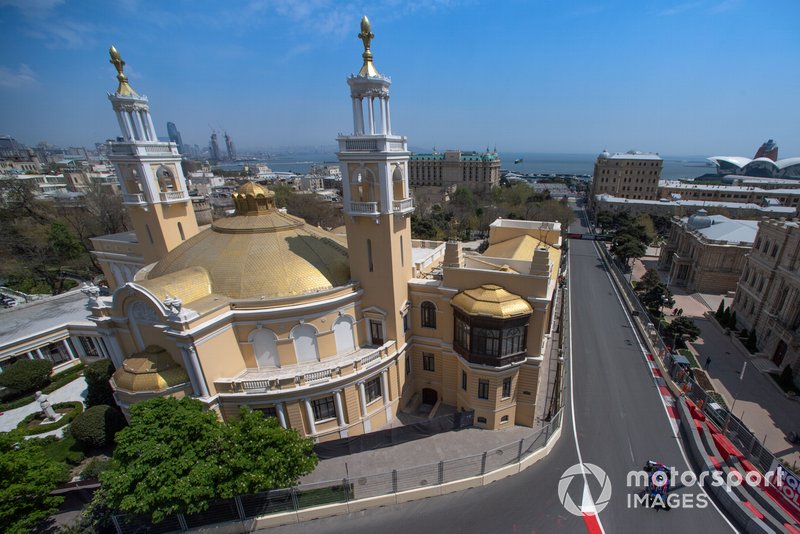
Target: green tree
[(97, 426), (259, 454), (720, 310), (752, 341), (605, 219), (177, 457), (28, 476), (682, 329), (166, 461), (627, 247), (98, 388), (649, 280), (26, 376)]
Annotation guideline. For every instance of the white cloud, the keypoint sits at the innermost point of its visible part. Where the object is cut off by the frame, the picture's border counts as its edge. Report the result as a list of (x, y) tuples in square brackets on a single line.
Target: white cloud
[(15, 79), (679, 8), (725, 5)]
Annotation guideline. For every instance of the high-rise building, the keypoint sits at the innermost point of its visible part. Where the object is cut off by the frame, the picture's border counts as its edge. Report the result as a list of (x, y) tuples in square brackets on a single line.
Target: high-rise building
[(632, 175), (229, 146), (175, 136), (213, 148)]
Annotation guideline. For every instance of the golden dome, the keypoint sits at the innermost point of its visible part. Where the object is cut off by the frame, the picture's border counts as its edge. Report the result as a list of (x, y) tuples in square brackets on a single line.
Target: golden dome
[(253, 198), (491, 300), (261, 253), (151, 370)]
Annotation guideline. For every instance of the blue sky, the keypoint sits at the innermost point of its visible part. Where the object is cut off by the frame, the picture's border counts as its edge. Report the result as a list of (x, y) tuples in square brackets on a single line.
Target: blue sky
[(702, 77)]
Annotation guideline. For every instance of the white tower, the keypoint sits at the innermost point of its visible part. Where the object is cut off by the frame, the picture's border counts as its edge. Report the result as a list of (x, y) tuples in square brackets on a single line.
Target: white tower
[(377, 203), (150, 174)]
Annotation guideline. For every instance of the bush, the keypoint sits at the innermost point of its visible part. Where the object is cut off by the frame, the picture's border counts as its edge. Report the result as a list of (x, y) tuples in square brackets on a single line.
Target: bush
[(95, 467), (27, 375), (61, 379), (97, 426), (98, 390)]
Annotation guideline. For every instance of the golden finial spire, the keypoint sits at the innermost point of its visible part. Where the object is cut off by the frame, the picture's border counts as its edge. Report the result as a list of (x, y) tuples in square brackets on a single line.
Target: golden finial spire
[(124, 88), (366, 36)]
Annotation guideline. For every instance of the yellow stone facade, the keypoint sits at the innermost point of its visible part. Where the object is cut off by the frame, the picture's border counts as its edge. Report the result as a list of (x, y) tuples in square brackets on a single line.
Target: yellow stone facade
[(338, 338)]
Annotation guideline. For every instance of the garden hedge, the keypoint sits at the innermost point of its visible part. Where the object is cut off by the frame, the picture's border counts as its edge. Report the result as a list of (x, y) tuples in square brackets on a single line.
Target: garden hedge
[(26, 376), (76, 408), (97, 426)]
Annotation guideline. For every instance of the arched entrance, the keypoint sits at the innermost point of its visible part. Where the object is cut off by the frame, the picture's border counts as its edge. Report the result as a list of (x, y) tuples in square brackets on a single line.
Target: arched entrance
[(429, 396)]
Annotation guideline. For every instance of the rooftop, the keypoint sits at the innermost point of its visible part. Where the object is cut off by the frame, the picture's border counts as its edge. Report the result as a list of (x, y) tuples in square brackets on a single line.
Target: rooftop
[(42, 316), (723, 229)]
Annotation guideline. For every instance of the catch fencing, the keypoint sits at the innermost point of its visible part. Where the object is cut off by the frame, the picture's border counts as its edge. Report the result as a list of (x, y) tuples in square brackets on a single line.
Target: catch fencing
[(295, 499)]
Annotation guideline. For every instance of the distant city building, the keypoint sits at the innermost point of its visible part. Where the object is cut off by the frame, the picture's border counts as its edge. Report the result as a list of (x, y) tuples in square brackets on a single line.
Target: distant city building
[(17, 157), (213, 148), (666, 207), (175, 136), (229, 146), (767, 150), (477, 171), (681, 190), (768, 295), (706, 253), (765, 164), (633, 175)]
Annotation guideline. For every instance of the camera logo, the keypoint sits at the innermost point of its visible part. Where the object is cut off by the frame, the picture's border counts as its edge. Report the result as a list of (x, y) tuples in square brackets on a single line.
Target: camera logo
[(585, 470)]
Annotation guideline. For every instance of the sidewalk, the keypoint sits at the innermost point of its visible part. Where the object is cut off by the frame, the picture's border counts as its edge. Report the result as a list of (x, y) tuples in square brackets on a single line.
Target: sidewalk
[(758, 403), (74, 391)]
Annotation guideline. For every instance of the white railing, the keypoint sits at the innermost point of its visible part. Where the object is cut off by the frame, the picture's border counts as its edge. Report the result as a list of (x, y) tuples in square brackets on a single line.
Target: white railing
[(396, 145), (172, 196), (370, 358), (317, 375), (369, 208), (262, 385), (135, 198), (361, 144), (406, 204)]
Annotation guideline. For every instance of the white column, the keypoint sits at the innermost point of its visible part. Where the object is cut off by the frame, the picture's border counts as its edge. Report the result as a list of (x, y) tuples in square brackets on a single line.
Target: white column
[(355, 115), (388, 118), (121, 124), (69, 349), (41, 354), (30, 356), (312, 428), (98, 346), (279, 408), (126, 118), (360, 116), (79, 347), (386, 400), (152, 127), (189, 366), (383, 116), (362, 399), (371, 116), (337, 399), (140, 125), (194, 362)]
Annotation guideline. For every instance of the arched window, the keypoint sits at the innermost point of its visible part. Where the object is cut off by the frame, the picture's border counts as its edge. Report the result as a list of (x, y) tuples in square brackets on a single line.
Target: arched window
[(428, 310), (265, 347), (180, 231), (305, 343), (369, 254), (343, 333)]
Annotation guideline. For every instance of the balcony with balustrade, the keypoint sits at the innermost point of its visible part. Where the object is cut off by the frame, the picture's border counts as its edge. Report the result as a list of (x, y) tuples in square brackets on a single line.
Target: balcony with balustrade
[(403, 206), (144, 149), (168, 197), (372, 143), (366, 209), (135, 199), (278, 380)]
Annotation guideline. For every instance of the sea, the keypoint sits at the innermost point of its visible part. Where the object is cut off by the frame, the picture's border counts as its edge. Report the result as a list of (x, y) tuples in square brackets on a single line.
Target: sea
[(675, 167)]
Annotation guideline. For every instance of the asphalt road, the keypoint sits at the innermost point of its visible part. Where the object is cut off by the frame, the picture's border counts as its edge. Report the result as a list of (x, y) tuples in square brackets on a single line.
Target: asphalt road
[(620, 422)]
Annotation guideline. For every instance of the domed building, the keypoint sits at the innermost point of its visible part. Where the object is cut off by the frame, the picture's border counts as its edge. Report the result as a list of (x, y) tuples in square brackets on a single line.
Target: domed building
[(334, 337)]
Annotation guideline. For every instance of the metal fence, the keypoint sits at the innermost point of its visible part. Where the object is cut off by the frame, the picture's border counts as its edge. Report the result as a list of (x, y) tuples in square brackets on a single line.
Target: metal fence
[(304, 496), (733, 428)]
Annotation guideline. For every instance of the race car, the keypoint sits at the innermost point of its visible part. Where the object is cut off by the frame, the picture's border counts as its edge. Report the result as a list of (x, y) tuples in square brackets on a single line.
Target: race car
[(658, 484)]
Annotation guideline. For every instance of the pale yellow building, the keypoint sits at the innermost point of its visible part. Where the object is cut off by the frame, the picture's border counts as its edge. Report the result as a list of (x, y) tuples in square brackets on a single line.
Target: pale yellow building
[(633, 175), (768, 295), (476, 171), (335, 337)]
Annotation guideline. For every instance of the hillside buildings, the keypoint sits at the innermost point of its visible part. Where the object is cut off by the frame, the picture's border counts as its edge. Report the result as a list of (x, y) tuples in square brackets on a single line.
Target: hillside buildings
[(477, 171), (335, 337), (706, 253), (768, 295)]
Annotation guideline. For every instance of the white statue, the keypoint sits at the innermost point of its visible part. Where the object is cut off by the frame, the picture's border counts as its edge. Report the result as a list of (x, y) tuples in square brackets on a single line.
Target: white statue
[(44, 403)]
